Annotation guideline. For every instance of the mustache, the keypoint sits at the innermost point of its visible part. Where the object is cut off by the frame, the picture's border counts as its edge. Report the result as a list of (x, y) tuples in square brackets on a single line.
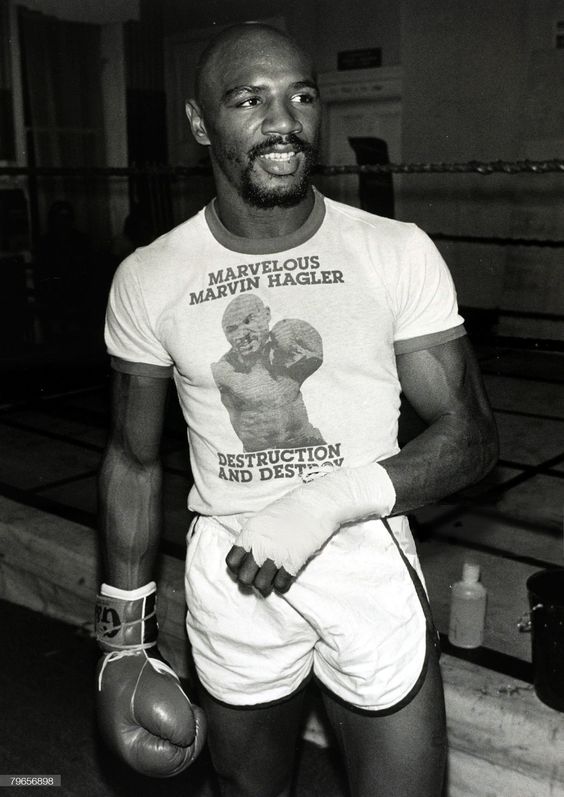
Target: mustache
[(292, 139)]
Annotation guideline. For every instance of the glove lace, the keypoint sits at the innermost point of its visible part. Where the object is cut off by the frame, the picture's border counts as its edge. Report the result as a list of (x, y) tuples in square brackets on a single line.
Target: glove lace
[(102, 635), (115, 655)]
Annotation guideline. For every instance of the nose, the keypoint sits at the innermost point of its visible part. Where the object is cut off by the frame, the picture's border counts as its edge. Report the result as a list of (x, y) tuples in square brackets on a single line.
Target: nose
[(280, 119)]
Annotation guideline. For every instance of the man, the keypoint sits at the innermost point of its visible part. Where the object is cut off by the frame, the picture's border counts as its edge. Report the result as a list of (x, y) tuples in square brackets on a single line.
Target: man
[(322, 578), (260, 376)]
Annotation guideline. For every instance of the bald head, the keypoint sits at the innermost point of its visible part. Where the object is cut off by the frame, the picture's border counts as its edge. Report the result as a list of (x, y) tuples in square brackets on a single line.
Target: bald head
[(246, 325), (258, 111), (241, 308), (233, 43)]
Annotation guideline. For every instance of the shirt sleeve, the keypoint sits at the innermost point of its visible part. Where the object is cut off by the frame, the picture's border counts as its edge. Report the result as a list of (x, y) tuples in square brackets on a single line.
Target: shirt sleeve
[(426, 307), (130, 336)]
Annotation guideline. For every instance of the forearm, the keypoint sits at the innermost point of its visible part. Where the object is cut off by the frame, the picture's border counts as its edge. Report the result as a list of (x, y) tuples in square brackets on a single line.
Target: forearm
[(444, 386), (448, 456), (142, 710), (278, 541), (131, 518)]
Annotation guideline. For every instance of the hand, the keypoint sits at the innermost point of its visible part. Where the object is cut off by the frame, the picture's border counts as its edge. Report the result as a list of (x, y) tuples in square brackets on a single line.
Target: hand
[(286, 534), (143, 712), (294, 340), (266, 578), (145, 716)]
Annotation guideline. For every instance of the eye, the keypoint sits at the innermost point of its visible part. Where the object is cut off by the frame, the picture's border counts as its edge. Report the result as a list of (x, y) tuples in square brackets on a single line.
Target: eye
[(250, 102), (306, 97)]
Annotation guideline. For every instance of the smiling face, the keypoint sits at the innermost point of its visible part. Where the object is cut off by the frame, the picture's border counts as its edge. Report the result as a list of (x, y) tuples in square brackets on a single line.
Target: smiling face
[(246, 325), (258, 109)]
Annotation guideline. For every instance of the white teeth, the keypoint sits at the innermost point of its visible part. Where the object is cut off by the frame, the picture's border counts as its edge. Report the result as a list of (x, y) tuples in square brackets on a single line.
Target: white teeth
[(279, 156)]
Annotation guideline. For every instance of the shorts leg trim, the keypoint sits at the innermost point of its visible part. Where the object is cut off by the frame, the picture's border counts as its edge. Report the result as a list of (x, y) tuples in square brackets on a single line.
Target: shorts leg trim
[(385, 712), (421, 594), (267, 704)]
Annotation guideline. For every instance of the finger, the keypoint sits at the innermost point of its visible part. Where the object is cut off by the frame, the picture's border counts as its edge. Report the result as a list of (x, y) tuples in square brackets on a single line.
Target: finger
[(283, 581), (235, 557), (248, 570), (264, 579)]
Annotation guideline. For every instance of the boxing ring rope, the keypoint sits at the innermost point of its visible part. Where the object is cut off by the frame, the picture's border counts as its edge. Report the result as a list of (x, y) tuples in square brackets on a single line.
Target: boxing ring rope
[(469, 167), (484, 168), (160, 177), (492, 239), (474, 167)]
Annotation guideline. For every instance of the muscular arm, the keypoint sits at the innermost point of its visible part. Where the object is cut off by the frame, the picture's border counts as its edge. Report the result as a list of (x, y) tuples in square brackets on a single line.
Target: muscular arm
[(130, 481), (459, 447)]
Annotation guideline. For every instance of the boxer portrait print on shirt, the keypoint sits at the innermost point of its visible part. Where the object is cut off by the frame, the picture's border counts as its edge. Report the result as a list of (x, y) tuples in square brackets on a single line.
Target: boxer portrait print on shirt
[(261, 375)]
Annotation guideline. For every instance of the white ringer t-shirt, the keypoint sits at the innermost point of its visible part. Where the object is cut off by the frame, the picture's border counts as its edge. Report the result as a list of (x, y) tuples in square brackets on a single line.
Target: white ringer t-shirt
[(282, 350)]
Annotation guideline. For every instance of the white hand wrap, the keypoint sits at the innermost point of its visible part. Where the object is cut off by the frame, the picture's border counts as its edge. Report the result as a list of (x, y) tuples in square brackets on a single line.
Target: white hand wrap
[(292, 529)]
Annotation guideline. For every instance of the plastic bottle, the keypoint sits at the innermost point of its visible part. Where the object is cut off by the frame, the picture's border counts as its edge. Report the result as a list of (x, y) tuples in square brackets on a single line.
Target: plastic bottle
[(468, 609)]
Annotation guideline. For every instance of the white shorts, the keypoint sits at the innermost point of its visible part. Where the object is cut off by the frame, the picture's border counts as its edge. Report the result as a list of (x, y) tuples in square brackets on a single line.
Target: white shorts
[(352, 618)]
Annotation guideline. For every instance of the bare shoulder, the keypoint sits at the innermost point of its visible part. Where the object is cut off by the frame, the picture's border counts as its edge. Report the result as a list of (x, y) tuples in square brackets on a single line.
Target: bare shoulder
[(221, 370)]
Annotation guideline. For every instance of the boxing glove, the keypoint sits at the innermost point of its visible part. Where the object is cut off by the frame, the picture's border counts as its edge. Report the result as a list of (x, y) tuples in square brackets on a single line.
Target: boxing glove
[(143, 713)]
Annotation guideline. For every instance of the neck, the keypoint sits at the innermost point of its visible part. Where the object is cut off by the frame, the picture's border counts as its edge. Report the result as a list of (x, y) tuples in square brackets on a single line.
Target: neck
[(251, 222)]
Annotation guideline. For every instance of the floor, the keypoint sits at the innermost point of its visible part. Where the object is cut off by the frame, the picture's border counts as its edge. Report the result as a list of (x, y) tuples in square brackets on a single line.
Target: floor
[(47, 727), (53, 421)]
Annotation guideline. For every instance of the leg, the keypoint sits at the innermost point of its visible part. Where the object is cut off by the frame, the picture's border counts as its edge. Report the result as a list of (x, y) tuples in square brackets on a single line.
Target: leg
[(399, 755), (253, 750)]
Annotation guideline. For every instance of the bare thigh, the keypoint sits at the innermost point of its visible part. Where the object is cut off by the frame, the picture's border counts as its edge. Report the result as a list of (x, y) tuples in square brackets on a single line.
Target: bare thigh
[(253, 750), (399, 755)]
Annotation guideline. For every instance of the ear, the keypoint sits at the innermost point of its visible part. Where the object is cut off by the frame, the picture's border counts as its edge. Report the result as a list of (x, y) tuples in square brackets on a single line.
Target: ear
[(197, 123)]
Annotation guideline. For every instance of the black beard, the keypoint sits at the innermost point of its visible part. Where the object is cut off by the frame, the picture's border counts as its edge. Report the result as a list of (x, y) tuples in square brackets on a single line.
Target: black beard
[(264, 197)]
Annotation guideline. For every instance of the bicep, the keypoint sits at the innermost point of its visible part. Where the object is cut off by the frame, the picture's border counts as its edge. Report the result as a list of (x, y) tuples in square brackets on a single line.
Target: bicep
[(443, 380), (138, 410)]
